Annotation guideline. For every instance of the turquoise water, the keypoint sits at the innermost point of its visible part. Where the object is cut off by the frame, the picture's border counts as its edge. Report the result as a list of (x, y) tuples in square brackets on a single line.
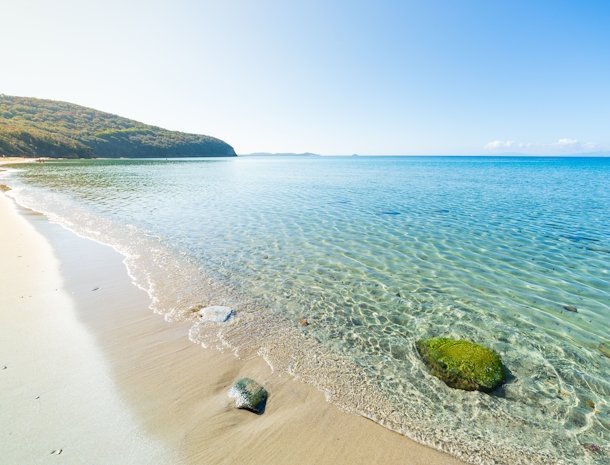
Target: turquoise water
[(377, 252)]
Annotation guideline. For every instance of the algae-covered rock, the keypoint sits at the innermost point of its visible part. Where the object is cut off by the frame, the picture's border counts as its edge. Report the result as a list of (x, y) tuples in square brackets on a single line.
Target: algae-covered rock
[(462, 364), (249, 395)]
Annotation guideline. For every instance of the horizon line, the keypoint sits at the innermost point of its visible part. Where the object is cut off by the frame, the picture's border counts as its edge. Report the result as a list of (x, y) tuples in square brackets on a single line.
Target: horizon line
[(504, 155)]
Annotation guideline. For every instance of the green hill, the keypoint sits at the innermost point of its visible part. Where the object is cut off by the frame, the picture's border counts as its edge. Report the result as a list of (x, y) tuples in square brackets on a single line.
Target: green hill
[(31, 127)]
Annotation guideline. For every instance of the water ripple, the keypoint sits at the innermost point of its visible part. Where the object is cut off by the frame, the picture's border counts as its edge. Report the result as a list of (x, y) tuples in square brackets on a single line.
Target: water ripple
[(377, 253)]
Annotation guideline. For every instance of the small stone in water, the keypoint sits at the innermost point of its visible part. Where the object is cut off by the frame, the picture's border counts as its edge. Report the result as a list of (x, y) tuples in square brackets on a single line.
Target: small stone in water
[(590, 404), (592, 447), (604, 348), (570, 308), (216, 314), (195, 308), (303, 322)]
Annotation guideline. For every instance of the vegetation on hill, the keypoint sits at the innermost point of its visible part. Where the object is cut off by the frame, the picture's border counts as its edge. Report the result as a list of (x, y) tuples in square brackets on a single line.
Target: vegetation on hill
[(32, 127)]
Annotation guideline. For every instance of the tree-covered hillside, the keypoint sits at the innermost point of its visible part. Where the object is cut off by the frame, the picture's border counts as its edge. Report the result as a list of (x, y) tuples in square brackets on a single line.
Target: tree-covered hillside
[(32, 127)]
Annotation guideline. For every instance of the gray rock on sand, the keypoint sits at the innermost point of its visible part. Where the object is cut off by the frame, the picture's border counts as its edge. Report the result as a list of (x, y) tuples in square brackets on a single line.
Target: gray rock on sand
[(216, 314), (249, 395)]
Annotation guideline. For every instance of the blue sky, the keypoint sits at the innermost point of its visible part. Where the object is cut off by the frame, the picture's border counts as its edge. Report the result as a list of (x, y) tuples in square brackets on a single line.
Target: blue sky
[(332, 77)]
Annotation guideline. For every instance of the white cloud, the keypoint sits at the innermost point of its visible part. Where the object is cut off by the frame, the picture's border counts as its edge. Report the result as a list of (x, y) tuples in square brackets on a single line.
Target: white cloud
[(564, 145), (499, 144), (567, 142)]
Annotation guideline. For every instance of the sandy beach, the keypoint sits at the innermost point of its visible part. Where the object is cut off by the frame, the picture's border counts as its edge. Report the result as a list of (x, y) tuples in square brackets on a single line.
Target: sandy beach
[(91, 375), (317, 233)]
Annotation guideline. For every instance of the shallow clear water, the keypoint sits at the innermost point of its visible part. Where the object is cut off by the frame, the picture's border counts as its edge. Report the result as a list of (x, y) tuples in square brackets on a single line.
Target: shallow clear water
[(377, 252)]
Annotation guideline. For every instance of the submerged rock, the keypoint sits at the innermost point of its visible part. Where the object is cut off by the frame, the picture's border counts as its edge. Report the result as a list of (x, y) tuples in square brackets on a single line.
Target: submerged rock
[(570, 308), (604, 348), (195, 308), (592, 447), (216, 314), (249, 395), (462, 364)]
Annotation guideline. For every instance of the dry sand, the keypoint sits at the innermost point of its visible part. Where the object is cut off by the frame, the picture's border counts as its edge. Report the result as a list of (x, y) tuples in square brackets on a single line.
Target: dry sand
[(4, 160), (10, 160), (91, 371)]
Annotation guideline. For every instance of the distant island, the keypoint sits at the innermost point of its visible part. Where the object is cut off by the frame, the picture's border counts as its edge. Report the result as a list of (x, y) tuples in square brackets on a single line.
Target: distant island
[(31, 127), (270, 154)]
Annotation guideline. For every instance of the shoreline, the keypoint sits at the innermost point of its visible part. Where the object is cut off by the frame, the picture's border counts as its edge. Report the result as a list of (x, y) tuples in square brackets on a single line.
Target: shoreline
[(16, 160), (172, 392)]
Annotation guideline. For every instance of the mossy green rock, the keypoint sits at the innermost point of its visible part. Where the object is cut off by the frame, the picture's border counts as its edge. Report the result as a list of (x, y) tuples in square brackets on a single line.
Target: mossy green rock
[(462, 364), (249, 395)]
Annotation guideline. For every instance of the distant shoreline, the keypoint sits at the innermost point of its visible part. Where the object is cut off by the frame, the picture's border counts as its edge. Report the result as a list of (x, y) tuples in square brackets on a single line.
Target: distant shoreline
[(10, 159)]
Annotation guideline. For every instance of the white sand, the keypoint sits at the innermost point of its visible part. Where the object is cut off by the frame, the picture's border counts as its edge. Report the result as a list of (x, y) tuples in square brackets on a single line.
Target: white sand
[(119, 385), (57, 391)]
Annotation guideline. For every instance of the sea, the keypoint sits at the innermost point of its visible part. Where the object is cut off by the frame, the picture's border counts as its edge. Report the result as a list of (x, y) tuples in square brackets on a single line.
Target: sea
[(336, 266)]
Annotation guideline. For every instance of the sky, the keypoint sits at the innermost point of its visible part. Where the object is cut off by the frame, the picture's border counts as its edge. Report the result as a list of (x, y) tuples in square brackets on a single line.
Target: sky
[(332, 77)]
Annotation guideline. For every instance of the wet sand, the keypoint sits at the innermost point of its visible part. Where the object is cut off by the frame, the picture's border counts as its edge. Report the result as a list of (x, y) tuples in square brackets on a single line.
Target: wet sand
[(93, 373)]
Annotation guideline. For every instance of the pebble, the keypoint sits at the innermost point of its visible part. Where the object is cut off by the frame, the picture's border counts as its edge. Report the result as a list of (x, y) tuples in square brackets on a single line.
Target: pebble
[(592, 447), (604, 348), (590, 404), (570, 308)]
